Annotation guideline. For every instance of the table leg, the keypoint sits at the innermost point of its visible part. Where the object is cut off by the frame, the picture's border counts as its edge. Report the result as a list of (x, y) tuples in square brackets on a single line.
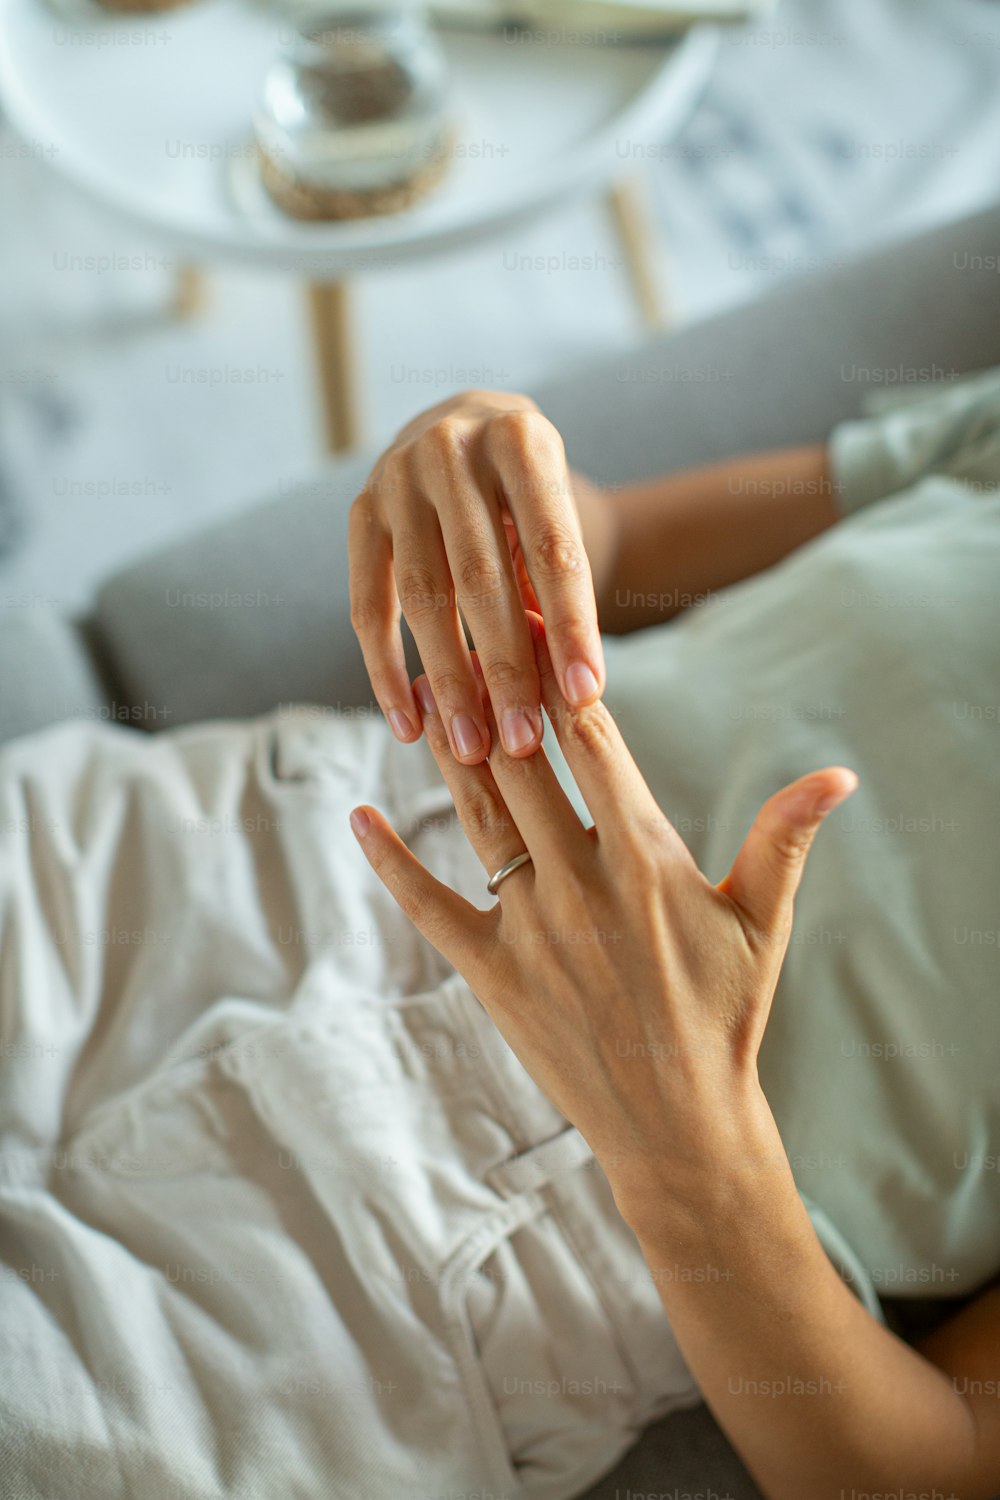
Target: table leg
[(329, 307), (630, 212), (189, 292)]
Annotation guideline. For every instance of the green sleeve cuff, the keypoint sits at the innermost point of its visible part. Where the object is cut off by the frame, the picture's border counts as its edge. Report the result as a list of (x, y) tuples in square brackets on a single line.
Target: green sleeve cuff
[(908, 433), (861, 467)]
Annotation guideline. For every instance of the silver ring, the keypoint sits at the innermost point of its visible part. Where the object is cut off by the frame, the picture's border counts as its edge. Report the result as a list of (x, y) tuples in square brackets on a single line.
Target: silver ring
[(508, 869)]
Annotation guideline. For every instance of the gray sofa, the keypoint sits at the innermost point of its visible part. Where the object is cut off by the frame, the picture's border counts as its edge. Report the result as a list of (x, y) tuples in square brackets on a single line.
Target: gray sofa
[(254, 612)]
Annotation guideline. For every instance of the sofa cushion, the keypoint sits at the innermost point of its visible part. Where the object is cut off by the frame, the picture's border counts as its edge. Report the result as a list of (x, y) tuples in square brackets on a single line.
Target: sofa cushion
[(245, 616), (686, 1453), (46, 673)]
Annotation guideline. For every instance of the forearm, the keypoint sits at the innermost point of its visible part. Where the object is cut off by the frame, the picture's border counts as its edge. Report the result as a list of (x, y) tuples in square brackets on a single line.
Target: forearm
[(819, 1399), (658, 546)]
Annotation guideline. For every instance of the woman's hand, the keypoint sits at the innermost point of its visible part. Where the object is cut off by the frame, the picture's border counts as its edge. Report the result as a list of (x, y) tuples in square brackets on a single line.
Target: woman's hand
[(471, 513), (633, 990)]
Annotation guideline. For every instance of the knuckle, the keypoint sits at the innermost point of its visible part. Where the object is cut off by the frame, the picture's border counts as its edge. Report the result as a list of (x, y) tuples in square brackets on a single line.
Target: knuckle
[(444, 441), (641, 831), (483, 813), (361, 511), (789, 846), (524, 430), (635, 843), (388, 477), (368, 616), (419, 591), (450, 688), (481, 577), (588, 730), (557, 552), (502, 673)]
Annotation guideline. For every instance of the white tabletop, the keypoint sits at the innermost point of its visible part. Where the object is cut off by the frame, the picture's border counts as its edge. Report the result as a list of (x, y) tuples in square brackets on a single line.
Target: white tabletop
[(152, 115)]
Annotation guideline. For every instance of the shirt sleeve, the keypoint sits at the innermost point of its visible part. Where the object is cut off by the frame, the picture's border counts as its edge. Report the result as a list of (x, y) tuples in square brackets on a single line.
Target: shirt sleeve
[(908, 434)]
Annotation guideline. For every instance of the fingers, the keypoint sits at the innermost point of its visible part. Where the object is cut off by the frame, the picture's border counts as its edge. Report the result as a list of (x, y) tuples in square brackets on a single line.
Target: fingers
[(484, 814), (427, 597), (528, 597), (530, 463), (542, 811), (490, 600), (375, 618), (509, 805), (766, 873), (609, 779), (452, 925), (410, 574), (470, 515)]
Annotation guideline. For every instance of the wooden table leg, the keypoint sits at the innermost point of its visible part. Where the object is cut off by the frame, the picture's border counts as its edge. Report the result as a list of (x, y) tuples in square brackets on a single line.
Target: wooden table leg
[(329, 306), (189, 292), (630, 211)]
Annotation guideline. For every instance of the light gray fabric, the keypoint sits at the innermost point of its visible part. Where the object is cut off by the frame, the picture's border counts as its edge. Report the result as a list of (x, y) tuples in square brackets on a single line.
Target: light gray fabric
[(779, 371), (287, 1173), (245, 616), (686, 1453), (785, 369), (46, 673), (950, 429)]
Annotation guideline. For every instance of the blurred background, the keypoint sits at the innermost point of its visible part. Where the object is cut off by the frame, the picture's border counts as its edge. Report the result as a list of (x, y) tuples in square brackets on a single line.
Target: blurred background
[(829, 126)]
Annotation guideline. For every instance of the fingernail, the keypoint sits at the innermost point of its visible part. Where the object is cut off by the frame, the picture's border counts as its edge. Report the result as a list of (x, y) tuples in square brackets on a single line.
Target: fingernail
[(360, 822), (401, 726), (581, 684), (516, 730), (465, 734), (424, 696)]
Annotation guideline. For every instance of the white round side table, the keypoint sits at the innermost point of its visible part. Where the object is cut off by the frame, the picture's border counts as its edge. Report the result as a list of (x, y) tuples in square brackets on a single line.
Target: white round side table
[(151, 114)]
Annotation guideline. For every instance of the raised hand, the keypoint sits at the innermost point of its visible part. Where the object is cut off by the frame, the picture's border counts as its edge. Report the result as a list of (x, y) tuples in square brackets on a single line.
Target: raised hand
[(470, 513)]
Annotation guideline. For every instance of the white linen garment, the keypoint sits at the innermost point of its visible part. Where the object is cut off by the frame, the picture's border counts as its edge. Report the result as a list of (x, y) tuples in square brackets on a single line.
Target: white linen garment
[(280, 1212)]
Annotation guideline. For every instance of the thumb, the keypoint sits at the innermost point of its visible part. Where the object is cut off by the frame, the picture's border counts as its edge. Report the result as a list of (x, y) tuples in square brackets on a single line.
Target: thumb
[(766, 873)]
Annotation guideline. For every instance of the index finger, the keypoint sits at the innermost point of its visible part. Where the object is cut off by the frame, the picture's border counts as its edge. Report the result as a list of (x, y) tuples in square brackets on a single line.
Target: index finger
[(530, 463), (375, 615)]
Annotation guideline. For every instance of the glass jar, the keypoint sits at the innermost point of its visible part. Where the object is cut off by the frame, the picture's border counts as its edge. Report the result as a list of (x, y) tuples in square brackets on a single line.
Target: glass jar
[(353, 116)]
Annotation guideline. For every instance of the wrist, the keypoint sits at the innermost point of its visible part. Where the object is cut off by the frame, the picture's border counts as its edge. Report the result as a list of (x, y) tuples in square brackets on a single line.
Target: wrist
[(721, 1158)]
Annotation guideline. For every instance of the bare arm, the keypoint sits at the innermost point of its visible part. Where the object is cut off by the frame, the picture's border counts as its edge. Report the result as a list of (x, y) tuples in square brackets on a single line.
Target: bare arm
[(820, 1400), (658, 546)]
